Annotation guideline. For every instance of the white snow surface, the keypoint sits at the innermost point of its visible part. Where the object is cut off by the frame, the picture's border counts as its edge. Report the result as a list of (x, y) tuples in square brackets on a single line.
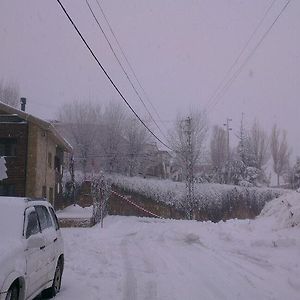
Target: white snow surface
[(3, 168), (75, 212), (144, 258)]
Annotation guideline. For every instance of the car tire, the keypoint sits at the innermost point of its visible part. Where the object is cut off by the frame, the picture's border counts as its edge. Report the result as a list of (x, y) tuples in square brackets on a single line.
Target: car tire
[(13, 293), (55, 288)]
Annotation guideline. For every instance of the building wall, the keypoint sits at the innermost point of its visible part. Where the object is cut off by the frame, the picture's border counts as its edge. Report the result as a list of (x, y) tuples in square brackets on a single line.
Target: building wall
[(40, 168), (16, 165)]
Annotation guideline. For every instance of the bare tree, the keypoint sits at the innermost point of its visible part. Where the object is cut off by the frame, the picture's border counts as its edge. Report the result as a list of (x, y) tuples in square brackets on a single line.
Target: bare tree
[(137, 138), (187, 140), (112, 136), (218, 150), (259, 143), (280, 152), (189, 151), (9, 93), (80, 122)]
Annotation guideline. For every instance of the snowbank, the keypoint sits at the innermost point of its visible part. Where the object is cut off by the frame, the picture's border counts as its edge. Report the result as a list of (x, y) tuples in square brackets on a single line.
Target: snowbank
[(283, 212), (75, 212)]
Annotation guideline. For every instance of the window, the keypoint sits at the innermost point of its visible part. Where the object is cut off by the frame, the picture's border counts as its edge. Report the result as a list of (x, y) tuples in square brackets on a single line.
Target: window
[(8, 147), (32, 223), (7, 189), (50, 160), (57, 165), (54, 218), (44, 217)]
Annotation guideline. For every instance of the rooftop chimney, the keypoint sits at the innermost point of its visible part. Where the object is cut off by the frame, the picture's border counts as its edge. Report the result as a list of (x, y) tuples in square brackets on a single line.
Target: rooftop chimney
[(23, 103)]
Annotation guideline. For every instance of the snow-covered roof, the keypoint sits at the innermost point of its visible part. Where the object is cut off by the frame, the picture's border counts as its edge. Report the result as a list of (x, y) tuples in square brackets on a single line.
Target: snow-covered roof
[(39, 122)]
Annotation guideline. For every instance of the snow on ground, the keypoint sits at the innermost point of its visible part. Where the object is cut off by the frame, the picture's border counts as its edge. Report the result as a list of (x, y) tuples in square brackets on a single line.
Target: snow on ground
[(75, 211), (144, 258)]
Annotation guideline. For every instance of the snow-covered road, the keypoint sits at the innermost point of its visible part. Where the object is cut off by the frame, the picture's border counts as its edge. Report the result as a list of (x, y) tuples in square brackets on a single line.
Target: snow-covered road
[(143, 258)]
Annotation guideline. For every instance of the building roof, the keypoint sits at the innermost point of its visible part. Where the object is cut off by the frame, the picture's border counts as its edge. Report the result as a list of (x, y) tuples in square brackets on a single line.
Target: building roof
[(45, 125)]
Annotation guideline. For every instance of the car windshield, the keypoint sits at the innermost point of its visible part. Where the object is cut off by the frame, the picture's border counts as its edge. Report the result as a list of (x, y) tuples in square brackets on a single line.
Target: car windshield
[(11, 218)]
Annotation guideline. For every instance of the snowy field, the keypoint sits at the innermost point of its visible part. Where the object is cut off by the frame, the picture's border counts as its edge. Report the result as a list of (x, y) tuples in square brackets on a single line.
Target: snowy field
[(143, 258)]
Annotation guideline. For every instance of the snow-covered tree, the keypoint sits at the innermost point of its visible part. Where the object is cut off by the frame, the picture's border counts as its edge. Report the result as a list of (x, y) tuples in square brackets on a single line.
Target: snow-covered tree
[(82, 122), (111, 137), (187, 140), (280, 152), (218, 152), (293, 175), (101, 191), (136, 140), (259, 146)]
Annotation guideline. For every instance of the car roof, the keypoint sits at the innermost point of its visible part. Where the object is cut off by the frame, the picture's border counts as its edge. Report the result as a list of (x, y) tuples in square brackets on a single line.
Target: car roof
[(23, 201)]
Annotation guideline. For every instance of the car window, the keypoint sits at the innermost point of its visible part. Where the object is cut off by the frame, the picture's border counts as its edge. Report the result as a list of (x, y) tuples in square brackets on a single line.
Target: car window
[(54, 218), (44, 217), (32, 224)]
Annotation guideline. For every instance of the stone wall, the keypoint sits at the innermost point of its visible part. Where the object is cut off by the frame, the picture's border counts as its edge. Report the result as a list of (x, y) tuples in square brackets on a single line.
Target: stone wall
[(119, 206)]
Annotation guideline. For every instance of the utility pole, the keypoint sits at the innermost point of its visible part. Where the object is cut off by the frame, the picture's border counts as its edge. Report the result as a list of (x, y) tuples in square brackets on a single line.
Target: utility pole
[(71, 166), (242, 139), (228, 129), (190, 164)]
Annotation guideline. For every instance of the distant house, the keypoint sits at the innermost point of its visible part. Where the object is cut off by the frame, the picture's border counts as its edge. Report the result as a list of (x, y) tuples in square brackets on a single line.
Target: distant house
[(157, 163), (34, 153)]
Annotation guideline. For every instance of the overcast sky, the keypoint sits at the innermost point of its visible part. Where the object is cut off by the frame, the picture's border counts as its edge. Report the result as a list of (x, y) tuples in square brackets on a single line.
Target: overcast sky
[(180, 50)]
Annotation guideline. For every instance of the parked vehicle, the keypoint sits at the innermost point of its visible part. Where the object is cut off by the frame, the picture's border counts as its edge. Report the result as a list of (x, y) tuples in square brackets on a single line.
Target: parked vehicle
[(31, 249)]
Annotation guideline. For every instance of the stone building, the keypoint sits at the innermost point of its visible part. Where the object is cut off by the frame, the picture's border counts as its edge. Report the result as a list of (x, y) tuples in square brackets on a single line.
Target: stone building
[(34, 153)]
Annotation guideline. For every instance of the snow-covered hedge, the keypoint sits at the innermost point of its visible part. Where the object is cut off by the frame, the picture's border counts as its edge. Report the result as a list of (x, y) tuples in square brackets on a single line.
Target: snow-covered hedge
[(214, 199)]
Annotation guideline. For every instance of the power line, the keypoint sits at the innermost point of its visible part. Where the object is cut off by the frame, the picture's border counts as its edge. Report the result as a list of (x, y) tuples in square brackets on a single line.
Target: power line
[(122, 67), (126, 59), (107, 75), (236, 74), (215, 93)]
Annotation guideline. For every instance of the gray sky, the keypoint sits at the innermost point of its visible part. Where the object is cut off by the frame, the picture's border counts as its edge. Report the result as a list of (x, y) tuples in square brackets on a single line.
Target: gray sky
[(180, 50)]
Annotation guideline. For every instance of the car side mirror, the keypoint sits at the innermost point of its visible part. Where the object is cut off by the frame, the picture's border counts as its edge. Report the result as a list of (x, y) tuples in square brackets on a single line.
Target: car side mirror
[(35, 241)]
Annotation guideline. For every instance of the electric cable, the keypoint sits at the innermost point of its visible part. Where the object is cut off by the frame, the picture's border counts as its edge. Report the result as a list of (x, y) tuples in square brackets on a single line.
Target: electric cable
[(122, 67), (236, 74), (240, 54), (108, 77), (127, 60)]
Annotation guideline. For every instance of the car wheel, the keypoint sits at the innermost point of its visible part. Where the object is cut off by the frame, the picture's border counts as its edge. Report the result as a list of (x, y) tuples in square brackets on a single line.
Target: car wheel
[(13, 293), (55, 288)]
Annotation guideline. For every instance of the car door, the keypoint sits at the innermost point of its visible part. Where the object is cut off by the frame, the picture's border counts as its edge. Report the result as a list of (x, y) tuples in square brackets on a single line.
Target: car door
[(49, 232), (36, 268)]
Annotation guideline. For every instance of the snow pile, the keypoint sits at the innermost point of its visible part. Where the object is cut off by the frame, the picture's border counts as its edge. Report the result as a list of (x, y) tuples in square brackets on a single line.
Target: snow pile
[(3, 169), (75, 212), (283, 212), (208, 196)]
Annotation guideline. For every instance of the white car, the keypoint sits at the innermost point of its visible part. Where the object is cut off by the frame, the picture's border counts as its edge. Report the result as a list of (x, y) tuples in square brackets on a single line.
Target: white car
[(31, 249)]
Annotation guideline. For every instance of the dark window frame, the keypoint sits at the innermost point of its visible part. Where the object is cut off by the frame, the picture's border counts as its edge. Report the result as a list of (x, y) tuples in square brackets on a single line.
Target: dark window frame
[(40, 217), (26, 222), (54, 217), (8, 147)]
